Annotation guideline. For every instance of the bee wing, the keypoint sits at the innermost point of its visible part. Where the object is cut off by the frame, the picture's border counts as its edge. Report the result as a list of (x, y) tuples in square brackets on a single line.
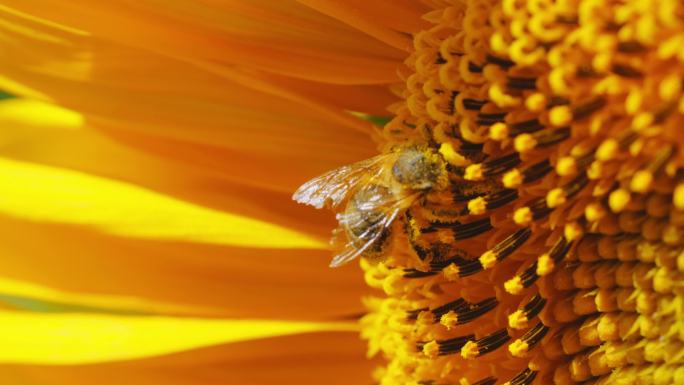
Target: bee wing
[(382, 208), (333, 186)]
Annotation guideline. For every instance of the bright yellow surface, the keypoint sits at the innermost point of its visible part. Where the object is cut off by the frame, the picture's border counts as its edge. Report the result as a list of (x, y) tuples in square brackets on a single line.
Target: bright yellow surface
[(61, 339), (51, 194)]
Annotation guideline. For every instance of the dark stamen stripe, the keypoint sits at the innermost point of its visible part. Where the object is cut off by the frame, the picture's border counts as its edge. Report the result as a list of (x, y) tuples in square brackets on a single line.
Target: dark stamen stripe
[(630, 47), (474, 68), (522, 83), (413, 273), (504, 63), (477, 310), (453, 345), (576, 185), (472, 229), (560, 249), (506, 247), (457, 305), (534, 335), (536, 171), (490, 118), (584, 110), (499, 165), (539, 208), (534, 306), (487, 381), (492, 342), (524, 378), (473, 104), (550, 137), (501, 198), (529, 276), (526, 126), (626, 71)]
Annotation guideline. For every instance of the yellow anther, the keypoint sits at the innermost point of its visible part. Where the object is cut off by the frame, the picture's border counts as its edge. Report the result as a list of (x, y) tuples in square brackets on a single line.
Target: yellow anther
[(536, 102), (498, 131), (595, 170), (555, 197), (641, 181), (524, 143), (512, 179), (451, 156), (514, 285), (560, 116), (618, 200), (522, 216), (470, 350), (473, 172), (566, 166), (518, 348), (608, 328), (518, 320), (642, 121), (678, 196), (450, 319), (545, 265), (431, 349), (488, 259), (451, 272), (498, 95), (573, 231), (633, 101), (670, 88), (477, 206), (607, 150), (594, 211)]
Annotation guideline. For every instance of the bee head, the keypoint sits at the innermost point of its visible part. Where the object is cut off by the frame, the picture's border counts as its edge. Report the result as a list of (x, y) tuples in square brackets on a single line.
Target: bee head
[(419, 168)]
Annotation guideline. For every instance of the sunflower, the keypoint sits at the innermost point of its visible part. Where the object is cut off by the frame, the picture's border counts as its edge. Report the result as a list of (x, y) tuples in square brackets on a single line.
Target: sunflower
[(153, 146)]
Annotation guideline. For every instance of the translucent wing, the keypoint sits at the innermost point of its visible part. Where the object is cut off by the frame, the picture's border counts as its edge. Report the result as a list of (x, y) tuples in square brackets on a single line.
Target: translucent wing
[(333, 186), (375, 209)]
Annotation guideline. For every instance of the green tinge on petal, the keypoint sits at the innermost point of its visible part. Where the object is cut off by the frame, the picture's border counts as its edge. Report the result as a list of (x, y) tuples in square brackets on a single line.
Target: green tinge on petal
[(379, 121), (31, 296), (50, 194), (63, 339)]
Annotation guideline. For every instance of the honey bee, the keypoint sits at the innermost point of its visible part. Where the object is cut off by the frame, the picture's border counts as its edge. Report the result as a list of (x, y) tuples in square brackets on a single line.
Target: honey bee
[(376, 192)]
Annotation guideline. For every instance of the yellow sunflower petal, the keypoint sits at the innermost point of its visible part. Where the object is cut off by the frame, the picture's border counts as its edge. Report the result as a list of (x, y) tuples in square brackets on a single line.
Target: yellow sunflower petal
[(336, 358), (41, 338), (51, 194)]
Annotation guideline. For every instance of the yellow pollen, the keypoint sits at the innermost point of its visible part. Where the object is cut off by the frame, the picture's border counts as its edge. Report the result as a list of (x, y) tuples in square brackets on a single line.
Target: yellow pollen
[(618, 200), (607, 150), (514, 285), (470, 351), (670, 87), (451, 272), (642, 121), (545, 265), (678, 196), (473, 172), (488, 259), (573, 231), (594, 211), (524, 143), (517, 320), (498, 131), (555, 197), (451, 156), (449, 320), (560, 116), (431, 349), (477, 206), (641, 181), (518, 348), (512, 179), (536, 102), (566, 166), (522, 216)]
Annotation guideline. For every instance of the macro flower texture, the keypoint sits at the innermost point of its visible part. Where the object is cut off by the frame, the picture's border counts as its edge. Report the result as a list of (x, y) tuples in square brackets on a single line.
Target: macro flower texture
[(505, 179)]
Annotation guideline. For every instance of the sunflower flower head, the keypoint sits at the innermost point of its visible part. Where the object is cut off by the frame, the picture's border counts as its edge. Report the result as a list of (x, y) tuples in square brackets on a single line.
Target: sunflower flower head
[(556, 254)]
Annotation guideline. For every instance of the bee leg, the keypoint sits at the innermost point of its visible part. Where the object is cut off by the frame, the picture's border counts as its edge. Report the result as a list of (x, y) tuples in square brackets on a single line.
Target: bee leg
[(433, 250)]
